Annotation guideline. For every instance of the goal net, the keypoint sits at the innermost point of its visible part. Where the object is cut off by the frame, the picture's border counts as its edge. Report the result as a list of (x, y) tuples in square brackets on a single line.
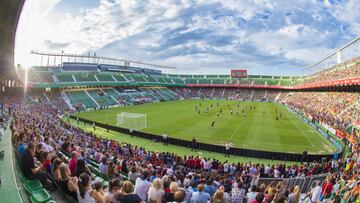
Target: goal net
[(134, 121)]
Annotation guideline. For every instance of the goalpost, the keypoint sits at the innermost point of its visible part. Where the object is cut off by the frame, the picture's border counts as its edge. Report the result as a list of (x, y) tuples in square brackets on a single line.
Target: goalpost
[(134, 121)]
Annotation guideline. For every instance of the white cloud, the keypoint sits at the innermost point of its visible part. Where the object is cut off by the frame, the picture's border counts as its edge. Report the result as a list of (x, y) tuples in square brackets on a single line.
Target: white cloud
[(205, 34)]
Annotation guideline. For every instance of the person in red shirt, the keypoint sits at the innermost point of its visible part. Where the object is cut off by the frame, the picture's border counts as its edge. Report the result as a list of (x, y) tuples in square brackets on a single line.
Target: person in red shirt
[(46, 161), (197, 163), (327, 187), (73, 162), (258, 198)]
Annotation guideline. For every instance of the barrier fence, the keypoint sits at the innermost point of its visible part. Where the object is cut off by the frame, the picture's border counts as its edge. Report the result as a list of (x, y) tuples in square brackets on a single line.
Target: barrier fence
[(305, 183), (213, 148)]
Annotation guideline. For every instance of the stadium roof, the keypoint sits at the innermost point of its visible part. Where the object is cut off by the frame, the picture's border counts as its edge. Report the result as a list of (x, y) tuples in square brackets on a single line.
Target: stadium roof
[(9, 14)]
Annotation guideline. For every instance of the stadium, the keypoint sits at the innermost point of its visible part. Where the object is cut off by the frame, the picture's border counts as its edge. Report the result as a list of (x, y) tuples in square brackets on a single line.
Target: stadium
[(179, 101)]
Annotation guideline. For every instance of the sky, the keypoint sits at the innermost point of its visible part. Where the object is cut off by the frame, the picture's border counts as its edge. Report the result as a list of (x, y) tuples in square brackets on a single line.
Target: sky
[(197, 36)]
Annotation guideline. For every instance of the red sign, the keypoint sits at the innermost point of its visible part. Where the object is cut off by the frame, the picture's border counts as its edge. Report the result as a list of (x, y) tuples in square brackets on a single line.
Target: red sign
[(241, 73)]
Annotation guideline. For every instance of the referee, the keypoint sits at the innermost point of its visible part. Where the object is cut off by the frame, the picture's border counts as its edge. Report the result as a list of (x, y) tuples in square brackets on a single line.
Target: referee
[(227, 149), (165, 139)]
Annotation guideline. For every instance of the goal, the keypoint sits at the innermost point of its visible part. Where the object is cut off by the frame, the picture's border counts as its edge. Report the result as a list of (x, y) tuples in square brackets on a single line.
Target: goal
[(134, 121)]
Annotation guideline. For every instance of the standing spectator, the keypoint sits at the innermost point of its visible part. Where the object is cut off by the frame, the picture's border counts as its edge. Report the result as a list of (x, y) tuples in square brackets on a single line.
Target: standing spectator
[(200, 196), (73, 162), (252, 194), (142, 185), (156, 191), (218, 197), (238, 193), (294, 197), (316, 192), (326, 188), (169, 196)]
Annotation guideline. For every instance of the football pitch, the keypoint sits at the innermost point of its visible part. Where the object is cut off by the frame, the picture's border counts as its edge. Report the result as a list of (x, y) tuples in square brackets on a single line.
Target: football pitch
[(252, 125)]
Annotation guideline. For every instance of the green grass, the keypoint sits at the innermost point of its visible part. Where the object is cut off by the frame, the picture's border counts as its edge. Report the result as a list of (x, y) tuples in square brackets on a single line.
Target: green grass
[(159, 147), (259, 130)]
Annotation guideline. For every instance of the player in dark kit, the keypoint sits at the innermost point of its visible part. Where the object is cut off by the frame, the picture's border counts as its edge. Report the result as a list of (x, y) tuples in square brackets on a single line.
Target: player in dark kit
[(213, 124)]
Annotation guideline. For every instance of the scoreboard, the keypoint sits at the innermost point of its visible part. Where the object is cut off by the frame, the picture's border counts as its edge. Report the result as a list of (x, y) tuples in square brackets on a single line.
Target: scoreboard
[(240, 73)]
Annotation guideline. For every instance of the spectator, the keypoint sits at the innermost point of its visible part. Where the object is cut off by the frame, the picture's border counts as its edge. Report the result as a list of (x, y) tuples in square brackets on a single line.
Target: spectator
[(81, 168), (238, 193), (316, 192), (252, 194), (156, 192), (179, 196), (294, 197), (68, 184), (73, 162), (142, 185), (127, 195), (258, 198), (85, 194), (30, 169), (200, 196), (55, 171), (218, 197), (114, 188)]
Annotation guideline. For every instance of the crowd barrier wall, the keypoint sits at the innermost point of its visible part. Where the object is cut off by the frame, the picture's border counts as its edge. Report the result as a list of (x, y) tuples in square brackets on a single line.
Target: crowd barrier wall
[(213, 148)]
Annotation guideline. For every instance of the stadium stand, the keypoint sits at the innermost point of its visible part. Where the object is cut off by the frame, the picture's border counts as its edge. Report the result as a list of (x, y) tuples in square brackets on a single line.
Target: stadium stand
[(109, 162)]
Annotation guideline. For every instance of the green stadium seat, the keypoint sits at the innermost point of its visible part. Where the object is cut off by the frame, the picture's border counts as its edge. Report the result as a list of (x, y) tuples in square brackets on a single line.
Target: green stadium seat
[(32, 185), (39, 196)]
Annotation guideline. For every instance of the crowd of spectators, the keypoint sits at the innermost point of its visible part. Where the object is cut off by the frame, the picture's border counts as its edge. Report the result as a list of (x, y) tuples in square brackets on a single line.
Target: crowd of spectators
[(53, 151), (349, 69), (337, 109)]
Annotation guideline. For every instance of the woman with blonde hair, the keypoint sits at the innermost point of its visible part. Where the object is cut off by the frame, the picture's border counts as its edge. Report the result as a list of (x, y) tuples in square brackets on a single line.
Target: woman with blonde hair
[(68, 184), (294, 197), (218, 197), (156, 191), (169, 196)]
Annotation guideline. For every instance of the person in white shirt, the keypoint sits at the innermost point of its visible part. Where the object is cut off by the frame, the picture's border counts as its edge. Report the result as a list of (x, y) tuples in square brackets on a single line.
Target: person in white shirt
[(227, 149), (226, 167), (316, 192), (142, 185), (156, 191)]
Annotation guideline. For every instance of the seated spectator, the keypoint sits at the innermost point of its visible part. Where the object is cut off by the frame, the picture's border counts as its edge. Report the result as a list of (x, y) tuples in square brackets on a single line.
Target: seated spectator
[(156, 192), (85, 193), (200, 196), (127, 194), (68, 184), (81, 168), (55, 171), (46, 161), (30, 169), (115, 186), (133, 175)]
